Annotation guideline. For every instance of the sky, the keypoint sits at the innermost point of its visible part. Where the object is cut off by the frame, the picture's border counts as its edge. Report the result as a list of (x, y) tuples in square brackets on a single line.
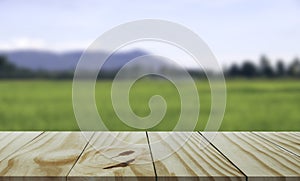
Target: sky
[(234, 30)]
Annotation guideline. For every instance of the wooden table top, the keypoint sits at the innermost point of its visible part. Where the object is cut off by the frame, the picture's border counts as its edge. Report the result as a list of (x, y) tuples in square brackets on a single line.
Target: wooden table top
[(149, 155)]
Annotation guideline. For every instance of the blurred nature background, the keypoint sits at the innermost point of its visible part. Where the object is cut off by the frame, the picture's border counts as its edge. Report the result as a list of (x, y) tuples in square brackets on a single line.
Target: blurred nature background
[(256, 42)]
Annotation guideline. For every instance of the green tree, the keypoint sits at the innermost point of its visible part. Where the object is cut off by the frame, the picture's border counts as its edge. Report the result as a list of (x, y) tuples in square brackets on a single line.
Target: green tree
[(248, 69), (280, 68), (294, 68), (7, 69), (266, 68), (234, 70)]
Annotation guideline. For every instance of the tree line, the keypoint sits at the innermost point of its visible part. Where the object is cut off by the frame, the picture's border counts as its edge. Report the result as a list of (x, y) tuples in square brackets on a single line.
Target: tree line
[(264, 69), (246, 69), (8, 70)]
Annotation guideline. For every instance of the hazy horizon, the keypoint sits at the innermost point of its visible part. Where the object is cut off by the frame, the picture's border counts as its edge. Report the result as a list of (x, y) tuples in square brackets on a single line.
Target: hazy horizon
[(235, 30)]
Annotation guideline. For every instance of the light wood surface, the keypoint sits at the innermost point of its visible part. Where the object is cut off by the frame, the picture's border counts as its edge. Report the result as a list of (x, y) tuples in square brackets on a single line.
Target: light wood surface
[(191, 159), (12, 141), (286, 140), (150, 156), (52, 154), (257, 157), (115, 154)]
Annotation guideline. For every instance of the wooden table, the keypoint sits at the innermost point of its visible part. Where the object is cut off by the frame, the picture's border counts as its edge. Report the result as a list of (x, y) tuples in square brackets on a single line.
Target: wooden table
[(72, 156)]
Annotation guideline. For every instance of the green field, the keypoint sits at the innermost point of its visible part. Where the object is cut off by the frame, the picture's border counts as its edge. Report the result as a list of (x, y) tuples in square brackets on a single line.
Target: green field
[(251, 105)]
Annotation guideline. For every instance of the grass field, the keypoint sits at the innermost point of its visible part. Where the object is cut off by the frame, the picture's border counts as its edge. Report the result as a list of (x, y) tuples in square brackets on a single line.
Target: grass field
[(251, 105)]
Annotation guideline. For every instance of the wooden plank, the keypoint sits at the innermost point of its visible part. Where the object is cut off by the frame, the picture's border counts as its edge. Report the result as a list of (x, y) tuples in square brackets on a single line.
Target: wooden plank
[(51, 155), (191, 160), (109, 156), (286, 140), (257, 157), (12, 141)]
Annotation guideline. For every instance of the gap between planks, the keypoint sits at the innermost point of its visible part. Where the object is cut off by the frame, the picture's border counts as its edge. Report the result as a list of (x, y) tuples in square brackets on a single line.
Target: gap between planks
[(224, 156), (80, 154), (10, 142), (109, 156), (257, 157), (286, 141), (151, 155), (50, 155)]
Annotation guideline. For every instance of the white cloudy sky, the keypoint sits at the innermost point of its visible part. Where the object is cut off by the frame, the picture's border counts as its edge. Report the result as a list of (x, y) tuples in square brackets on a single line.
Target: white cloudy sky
[(233, 29)]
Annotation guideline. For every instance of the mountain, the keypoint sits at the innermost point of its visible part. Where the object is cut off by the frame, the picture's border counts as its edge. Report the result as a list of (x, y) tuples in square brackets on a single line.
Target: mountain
[(52, 61)]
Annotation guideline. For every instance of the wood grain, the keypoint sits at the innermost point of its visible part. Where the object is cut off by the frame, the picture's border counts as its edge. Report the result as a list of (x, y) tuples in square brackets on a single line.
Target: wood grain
[(286, 140), (191, 160), (51, 155), (110, 156), (256, 157), (12, 141)]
